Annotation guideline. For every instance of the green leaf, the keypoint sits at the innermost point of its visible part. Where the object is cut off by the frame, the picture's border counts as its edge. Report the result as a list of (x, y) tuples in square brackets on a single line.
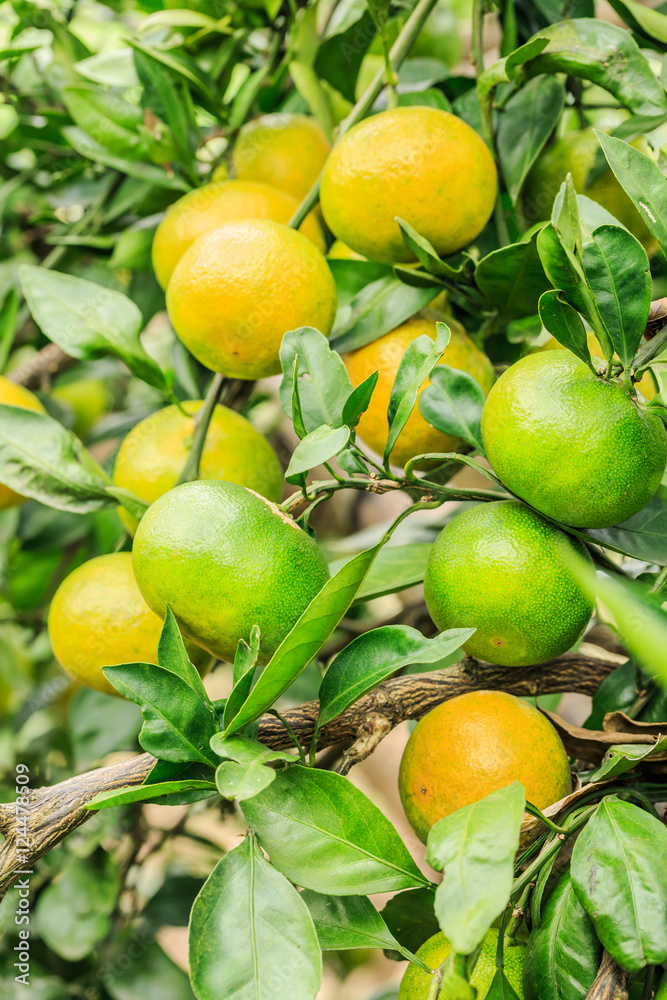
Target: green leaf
[(251, 934), (374, 656), (180, 64), (351, 276), (324, 385), (345, 922), (620, 759), (564, 323), (453, 404), (170, 99), (172, 655), (475, 848), (619, 873), (359, 399), (642, 181), (309, 85), (591, 214), (89, 321), (420, 358), (153, 977), (411, 918), (642, 20), (512, 279), (143, 793), (425, 253), (9, 308), (395, 568), (379, 307), (619, 275), (242, 781), (605, 54), (245, 663), (42, 460), (617, 692), (316, 448), (107, 119), (306, 638), (643, 536), (177, 725), (501, 988), (563, 953), (524, 125), (325, 835), (244, 750), (83, 144)]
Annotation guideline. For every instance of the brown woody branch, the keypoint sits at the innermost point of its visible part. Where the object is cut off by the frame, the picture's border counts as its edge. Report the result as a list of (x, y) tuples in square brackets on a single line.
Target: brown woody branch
[(39, 371), (56, 811), (611, 983)]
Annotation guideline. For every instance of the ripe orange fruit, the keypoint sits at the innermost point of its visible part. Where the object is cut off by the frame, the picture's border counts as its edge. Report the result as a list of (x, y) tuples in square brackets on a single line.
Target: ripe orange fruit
[(415, 984), (98, 618), (152, 456), (241, 287), (576, 446), (421, 164), (384, 356), (226, 559), (483, 573), (210, 206), (283, 150), (12, 394), (473, 745)]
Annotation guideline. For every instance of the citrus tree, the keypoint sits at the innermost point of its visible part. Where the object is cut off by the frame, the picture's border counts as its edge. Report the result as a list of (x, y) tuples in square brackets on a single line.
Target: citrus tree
[(430, 271)]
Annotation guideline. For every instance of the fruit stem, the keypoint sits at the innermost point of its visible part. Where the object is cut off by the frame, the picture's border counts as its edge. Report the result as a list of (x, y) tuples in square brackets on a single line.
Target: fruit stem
[(202, 421), (534, 811), (650, 350), (660, 581), (397, 55)]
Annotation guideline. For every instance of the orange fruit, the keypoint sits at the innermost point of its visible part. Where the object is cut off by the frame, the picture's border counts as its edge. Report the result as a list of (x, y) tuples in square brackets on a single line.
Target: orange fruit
[(384, 356), (283, 150), (226, 559), (416, 983), (421, 164), (152, 456), (241, 287), (473, 745), (98, 618), (12, 394), (502, 569), (645, 385), (210, 206)]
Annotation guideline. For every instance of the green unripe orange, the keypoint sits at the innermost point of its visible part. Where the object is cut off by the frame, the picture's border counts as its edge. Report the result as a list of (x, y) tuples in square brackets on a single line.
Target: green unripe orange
[(415, 984), (576, 446), (226, 559)]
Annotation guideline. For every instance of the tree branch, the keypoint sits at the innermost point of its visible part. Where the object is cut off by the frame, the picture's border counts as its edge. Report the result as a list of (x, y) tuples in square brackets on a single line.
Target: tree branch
[(611, 983), (39, 370), (56, 811)]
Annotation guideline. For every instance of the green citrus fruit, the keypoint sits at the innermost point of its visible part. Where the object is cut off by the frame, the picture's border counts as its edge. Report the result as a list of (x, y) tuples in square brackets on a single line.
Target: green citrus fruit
[(239, 288), (482, 574), (575, 153), (574, 445), (415, 984), (473, 745), (645, 385), (89, 399), (98, 618), (283, 150), (226, 559), (421, 164), (210, 206), (384, 356), (12, 394), (152, 456)]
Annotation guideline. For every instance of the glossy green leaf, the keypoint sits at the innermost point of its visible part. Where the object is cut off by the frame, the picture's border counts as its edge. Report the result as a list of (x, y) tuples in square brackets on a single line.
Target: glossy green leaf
[(83, 144), (619, 873), (475, 848), (244, 750), (316, 448), (617, 692), (501, 988), (172, 655), (411, 918), (181, 64), (351, 276), (509, 68), (242, 781), (619, 275), (591, 214), (88, 321), (420, 358), (324, 385), (359, 399), (524, 125), (107, 119), (425, 252), (177, 725), (620, 759), (154, 977), (453, 404), (563, 953), (512, 279), (40, 459), (372, 657), (643, 536), (143, 793), (9, 308), (245, 663), (306, 638), (251, 935), (605, 54), (642, 19), (169, 98), (642, 181), (325, 835), (565, 324), (378, 308), (395, 568)]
